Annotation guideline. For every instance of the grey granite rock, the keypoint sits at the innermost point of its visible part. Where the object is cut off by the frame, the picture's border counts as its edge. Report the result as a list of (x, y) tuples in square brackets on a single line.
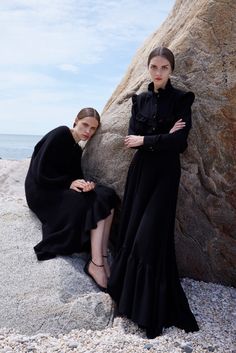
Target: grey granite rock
[(51, 296)]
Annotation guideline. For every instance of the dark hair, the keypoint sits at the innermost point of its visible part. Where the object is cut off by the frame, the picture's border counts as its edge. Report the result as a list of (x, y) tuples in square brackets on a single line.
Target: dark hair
[(85, 112), (163, 52)]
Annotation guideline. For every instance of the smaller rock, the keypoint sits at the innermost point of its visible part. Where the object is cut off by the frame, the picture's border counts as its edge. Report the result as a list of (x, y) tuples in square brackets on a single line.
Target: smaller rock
[(23, 339), (211, 349), (31, 348), (6, 350), (186, 348), (148, 346), (73, 344)]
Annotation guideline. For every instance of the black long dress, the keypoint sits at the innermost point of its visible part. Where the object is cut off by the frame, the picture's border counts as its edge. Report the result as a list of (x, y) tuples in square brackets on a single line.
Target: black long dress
[(144, 278), (67, 216)]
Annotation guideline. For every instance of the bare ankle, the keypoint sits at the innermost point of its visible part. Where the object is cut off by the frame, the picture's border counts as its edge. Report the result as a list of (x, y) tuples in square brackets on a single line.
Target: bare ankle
[(97, 262)]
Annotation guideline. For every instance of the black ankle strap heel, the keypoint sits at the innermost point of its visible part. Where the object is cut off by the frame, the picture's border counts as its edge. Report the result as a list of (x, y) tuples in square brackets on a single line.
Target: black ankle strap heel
[(103, 289), (96, 264)]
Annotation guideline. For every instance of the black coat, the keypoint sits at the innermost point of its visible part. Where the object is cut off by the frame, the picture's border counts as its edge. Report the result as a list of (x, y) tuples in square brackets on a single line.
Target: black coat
[(67, 216)]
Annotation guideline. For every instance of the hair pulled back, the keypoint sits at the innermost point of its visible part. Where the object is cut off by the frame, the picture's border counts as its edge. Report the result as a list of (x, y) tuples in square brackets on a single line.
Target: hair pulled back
[(91, 112), (164, 53)]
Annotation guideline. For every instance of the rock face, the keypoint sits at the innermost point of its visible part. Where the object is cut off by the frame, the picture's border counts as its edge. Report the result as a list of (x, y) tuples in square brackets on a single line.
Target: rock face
[(203, 37), (52, 296)]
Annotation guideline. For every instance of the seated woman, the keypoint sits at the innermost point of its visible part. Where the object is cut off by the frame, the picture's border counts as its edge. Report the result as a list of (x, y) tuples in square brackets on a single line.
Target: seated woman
[(76, 214)]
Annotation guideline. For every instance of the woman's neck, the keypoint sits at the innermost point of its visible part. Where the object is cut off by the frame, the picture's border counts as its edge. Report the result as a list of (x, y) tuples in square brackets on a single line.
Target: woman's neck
[(75, 136), (156, 89)]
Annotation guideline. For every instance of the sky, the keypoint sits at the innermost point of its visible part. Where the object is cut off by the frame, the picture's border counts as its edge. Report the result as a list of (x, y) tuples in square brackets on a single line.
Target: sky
[(60, 56)]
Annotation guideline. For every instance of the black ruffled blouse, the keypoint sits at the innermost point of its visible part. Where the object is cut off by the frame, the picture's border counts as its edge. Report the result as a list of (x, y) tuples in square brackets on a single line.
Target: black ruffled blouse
[(155, 113)]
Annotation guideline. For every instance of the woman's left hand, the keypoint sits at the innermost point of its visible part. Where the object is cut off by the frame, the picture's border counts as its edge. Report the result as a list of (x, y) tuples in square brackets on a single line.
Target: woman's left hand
[(179, 125), (90, 185), (133, 141), (82, 185)]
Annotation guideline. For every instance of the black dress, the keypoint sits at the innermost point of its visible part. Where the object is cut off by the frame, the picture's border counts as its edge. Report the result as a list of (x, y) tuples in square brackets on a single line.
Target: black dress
[(67, 216), (144, 278)]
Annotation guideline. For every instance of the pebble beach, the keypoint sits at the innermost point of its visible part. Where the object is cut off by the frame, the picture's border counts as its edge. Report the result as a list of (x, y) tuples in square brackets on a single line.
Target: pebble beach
[(214, 306)]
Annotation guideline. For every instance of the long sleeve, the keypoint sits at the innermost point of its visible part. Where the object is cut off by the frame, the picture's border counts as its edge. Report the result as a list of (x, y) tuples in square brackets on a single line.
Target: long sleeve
[(50, 163), (131, 129), (177, 141)]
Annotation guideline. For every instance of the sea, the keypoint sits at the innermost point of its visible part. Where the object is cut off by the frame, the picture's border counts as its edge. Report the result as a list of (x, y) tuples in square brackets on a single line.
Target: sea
[(17, 147)]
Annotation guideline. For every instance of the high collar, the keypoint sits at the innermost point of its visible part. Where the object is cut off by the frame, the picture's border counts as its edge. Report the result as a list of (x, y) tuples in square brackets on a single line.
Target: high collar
[(161, 91)]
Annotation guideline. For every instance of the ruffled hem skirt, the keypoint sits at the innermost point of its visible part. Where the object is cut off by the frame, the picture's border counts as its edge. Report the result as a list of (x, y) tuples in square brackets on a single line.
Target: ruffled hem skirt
[(149, 295), (67, 228)]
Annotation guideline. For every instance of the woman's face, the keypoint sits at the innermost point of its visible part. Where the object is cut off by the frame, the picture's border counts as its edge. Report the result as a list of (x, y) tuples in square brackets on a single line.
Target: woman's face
[(85, 128), (160, 70)]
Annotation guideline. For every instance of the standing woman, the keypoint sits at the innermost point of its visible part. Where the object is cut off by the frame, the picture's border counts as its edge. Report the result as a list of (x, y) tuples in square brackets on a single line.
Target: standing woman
[(74, 212), (144, 279)]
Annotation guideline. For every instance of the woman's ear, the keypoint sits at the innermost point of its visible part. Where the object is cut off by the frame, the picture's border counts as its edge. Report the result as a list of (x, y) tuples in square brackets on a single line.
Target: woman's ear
[(75, 122)]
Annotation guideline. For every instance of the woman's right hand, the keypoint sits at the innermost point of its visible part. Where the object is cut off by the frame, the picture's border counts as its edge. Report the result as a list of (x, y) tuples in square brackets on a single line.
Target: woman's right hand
[(133, 141), (180, 124), (80, 185)]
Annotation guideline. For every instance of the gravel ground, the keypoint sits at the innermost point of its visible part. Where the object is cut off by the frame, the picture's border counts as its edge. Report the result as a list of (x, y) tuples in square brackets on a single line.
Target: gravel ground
[(215, 309)]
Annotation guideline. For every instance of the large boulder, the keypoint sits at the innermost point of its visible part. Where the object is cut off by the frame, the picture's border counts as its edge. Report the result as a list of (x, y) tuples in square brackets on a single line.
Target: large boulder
[(52, 296), (202, 35)]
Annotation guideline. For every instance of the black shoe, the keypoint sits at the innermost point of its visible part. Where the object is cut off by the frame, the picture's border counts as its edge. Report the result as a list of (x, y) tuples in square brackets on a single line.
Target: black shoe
[(103, 289)]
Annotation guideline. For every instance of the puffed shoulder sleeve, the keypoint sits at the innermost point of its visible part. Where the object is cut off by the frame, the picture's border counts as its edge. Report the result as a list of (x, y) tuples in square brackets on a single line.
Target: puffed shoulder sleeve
[(183, 108), (131, 130), (187, 98), (176, 141)]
